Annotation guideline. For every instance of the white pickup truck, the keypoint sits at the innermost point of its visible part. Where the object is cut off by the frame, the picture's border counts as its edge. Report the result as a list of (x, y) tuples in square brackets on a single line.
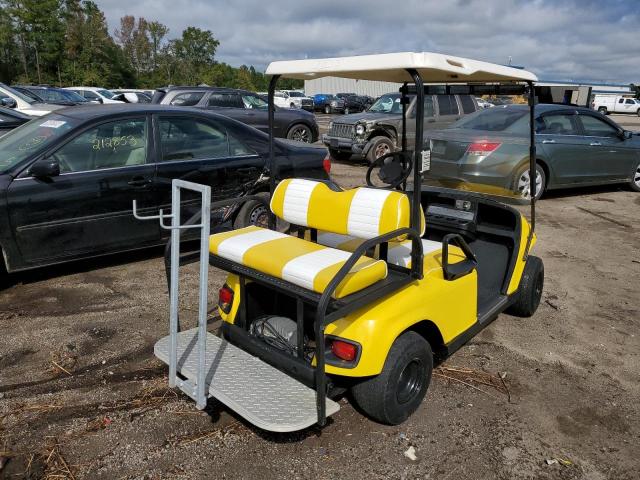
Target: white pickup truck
[(615, 104)]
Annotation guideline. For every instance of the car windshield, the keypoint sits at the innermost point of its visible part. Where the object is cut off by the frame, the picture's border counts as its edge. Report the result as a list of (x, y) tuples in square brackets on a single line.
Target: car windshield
[(72, 96), (492, 120), (19, 144), (105, 93), (30, 94), (389, 103), (252, 101), (18, 94)]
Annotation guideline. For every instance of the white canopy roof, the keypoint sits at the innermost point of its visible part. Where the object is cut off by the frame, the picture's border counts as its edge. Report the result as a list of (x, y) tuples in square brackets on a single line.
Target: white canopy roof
[(391, 67)]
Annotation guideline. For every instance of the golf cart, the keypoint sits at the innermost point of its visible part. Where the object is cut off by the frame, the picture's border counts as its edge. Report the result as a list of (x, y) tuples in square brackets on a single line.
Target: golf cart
[(370, 285)]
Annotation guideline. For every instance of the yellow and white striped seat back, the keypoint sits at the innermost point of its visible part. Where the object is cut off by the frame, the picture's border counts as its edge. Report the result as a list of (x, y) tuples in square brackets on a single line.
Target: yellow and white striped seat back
[(359, 212)]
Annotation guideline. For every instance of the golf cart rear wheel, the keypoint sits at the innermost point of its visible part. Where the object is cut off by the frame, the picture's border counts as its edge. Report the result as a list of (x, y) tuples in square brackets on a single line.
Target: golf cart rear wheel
[(398, 390), (530, 291)]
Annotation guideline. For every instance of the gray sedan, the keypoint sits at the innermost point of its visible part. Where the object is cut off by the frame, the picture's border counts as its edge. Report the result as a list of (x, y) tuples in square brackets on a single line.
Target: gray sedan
[(575, 146)]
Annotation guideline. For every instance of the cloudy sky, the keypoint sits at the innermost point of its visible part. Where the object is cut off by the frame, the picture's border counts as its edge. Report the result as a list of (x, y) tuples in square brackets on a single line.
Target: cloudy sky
[(557, 39)]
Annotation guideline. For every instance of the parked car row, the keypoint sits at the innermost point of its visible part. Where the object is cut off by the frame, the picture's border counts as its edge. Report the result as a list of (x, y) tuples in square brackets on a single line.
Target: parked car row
[(67, 181)]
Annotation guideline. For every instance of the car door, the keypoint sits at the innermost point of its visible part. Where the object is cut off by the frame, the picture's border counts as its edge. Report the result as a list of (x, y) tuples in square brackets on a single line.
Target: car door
[(630, 106), (560, 142), (228, 104), (91, 96), (202, 150), (86, 209), (608, 154)]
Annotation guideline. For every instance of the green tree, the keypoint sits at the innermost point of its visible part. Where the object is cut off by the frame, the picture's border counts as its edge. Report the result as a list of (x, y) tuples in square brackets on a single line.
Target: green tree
[(195, 52)]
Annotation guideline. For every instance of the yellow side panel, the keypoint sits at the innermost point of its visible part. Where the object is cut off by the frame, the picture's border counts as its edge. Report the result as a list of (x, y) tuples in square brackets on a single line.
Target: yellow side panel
[(451, 306), (519, 268)]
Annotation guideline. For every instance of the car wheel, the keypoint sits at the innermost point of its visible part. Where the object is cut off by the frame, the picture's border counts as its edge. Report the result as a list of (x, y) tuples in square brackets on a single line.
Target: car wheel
[(523, 185), (603, 110), (530, 291), (327, 109), (253, 213), (380, 146), (635, 180), (638, 112), (338, 155), (300, 133), (399, 389)]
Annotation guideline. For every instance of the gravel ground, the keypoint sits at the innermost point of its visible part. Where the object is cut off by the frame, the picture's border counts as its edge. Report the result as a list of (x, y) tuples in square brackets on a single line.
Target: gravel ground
[(82, 396)]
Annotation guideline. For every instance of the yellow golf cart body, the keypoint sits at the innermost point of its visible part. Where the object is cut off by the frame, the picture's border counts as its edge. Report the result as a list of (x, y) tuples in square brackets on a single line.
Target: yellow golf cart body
[(369, 285)]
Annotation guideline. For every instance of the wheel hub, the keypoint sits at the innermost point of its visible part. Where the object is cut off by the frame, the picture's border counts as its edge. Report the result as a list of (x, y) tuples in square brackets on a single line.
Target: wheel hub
[(410, 381), (259, 217), (300, 134), (636, 176), (524, 184)]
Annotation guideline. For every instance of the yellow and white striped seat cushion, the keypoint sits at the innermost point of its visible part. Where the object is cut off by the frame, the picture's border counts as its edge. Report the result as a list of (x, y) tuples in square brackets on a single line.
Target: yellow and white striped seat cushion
[(306, 264), (399, 253), (359, 212)]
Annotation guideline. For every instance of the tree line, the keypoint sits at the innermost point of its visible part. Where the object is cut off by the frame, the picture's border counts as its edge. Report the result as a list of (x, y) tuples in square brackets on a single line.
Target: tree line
[(67, 42)]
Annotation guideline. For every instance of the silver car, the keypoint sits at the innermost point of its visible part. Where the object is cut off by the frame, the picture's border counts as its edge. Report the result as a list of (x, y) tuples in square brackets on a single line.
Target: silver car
[(574, 147)]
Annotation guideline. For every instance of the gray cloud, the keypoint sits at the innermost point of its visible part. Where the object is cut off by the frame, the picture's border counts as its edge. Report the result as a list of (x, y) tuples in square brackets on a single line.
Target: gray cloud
[(570, 40)]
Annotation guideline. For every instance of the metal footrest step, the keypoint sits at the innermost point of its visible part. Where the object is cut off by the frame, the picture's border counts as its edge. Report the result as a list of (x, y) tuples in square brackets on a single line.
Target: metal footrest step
[(263, 395)]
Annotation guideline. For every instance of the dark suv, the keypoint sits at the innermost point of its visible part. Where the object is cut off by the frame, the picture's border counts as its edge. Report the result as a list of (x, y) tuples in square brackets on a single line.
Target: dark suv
[(244, 106), (378, 130)]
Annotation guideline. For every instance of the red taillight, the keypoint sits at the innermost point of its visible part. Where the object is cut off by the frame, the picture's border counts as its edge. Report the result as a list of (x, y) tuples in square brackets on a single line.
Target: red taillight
[(344, 351), (326, 164), (225, 298), (482, 148)]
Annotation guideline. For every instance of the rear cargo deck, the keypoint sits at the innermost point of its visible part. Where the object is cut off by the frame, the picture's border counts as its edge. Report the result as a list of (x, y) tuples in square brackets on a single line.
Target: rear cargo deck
[(263, 395)]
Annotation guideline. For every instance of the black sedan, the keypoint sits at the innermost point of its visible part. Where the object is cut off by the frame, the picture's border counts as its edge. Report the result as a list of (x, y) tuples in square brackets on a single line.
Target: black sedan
[(67, 180), (10, 119), (244, 106)]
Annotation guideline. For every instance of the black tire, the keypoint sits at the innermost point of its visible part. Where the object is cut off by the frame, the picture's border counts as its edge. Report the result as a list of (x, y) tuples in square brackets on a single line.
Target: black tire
[(253, 213), (530, 291), (379, 146), (338, 155), (300, 133), (4, 275), (327, 109), (635, 179), (638, 112), (602, 110), (292, 105), (399, 389)]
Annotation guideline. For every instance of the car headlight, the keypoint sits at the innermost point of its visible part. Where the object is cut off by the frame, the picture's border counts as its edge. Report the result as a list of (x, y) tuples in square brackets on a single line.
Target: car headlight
[(360, 129), (330, 125)]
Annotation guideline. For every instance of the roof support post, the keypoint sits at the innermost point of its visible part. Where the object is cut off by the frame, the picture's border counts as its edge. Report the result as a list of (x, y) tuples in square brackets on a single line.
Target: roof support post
[(416, 257), (532, 166), (273, 168)]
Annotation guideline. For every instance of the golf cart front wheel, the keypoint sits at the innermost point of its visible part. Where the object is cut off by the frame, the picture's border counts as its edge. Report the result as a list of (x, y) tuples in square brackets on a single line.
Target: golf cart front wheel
[(398, 390), (530, 291)]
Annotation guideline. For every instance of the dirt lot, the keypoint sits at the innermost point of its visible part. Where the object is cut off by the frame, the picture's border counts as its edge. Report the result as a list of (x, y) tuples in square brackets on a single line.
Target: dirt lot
[(83, 397)]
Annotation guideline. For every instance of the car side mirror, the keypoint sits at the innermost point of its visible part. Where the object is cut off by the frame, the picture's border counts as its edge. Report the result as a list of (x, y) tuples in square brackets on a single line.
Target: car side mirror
[(626, 135), (8, 102), (45, 168)]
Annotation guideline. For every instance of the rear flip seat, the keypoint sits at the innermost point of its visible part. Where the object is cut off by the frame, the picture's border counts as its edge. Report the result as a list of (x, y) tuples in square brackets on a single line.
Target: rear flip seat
[(360, 213)]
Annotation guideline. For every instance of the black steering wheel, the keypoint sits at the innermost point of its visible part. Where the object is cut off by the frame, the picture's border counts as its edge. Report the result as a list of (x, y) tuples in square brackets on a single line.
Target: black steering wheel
[(395, 168)]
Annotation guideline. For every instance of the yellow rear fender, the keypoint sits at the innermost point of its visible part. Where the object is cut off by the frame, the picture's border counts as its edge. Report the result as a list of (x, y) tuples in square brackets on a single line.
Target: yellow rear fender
[(525, 228)]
